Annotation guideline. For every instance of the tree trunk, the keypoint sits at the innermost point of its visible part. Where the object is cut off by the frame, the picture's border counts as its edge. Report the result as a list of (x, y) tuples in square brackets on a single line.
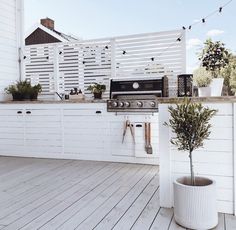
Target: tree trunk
[(191, 168)]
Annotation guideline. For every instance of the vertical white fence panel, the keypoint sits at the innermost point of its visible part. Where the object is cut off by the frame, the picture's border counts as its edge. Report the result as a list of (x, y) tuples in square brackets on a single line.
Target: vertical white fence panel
[(40, 66)]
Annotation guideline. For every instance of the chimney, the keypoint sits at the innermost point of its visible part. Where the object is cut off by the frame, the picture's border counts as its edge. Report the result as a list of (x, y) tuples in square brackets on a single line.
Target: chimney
[(47, 22)]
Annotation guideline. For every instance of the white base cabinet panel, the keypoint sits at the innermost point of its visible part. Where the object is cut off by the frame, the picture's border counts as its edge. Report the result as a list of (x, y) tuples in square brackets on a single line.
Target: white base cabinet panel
[(83, 131)]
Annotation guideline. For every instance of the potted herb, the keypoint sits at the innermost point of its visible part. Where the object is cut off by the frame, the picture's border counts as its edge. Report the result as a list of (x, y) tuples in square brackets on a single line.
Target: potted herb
[(194, 197), (202, 80), (215, 57), (97, 90), (23, 90)]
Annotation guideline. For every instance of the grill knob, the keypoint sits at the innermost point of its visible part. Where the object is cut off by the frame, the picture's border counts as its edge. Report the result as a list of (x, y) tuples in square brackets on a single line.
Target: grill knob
[(140, 104), (121, 104), (152, 103), (114, 104), (127, 104)]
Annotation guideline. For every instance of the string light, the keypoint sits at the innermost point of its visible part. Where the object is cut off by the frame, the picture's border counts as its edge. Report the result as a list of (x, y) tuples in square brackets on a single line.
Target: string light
[(203, 20)]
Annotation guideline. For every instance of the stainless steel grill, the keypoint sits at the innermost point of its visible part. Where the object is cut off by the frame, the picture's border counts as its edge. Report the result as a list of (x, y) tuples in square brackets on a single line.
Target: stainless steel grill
[(136, 95)]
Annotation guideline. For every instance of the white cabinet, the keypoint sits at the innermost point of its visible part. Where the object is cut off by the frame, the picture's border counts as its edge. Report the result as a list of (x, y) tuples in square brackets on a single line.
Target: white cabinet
[(85, 130), (74, 131), (30, 130), (43, 131), (12, 131)]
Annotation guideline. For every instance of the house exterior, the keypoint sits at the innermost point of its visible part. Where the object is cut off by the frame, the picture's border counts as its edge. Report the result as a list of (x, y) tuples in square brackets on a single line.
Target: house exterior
[(11, 37), (45, 33)]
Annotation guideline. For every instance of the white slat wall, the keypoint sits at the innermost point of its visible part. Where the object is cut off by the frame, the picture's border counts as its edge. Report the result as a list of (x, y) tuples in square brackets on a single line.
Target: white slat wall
[(63, 66), (156, 54), (9, 71)]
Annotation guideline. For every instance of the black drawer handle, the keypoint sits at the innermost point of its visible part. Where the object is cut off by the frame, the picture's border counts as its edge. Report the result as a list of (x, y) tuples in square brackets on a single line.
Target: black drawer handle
[(139, 126), (28, 112), (98, 112), (19, 112)]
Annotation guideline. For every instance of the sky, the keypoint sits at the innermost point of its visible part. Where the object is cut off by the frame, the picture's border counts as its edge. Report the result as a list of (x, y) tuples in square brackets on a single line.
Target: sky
[(90, 19)]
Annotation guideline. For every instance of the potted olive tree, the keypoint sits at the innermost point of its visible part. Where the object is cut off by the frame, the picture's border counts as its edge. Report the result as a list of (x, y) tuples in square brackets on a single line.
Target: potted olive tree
[(194, 197), (202, 80), (215, 57), (97, 90)]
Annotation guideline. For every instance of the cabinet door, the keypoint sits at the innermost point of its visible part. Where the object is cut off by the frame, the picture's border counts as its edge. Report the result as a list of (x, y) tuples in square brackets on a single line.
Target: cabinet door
[(12, 131), (43, 132), (85, 131)]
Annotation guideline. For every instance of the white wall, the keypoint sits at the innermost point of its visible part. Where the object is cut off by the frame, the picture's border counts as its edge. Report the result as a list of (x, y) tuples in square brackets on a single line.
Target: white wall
[(11, 14), (215, 160)]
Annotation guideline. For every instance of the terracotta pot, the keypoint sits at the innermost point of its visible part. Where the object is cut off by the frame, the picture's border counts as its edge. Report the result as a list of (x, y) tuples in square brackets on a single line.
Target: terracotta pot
[(195, 206)]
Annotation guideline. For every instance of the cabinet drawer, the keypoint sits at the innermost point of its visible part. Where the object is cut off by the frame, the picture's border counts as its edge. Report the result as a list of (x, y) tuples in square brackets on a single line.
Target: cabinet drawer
[(42, 112), (83, 112)]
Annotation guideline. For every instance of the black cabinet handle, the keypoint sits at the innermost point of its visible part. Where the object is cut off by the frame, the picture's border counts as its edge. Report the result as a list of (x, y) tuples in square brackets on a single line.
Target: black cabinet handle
[(139, 126), (98, 112), (28, 112), (19, 112)]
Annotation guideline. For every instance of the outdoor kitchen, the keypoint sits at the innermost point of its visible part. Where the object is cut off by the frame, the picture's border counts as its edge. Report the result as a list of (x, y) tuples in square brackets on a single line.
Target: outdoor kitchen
[(114, 133)]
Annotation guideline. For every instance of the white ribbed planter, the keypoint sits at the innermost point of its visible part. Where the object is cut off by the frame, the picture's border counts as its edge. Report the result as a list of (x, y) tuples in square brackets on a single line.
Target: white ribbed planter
[(195, 206)]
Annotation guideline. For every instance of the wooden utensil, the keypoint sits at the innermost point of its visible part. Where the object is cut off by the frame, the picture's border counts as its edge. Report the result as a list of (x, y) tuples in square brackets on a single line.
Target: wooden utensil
[(145, 134), (149, 146)]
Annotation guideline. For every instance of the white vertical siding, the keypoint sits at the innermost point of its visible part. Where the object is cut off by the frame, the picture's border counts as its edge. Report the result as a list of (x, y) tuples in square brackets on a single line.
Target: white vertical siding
[(9, 42)]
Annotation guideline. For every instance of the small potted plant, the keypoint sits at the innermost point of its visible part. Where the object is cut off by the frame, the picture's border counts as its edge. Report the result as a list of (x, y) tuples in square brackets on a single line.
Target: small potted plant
[(23, 90), (97, 90), (202, 80), (76, 94), (214, 57), (194, 197)]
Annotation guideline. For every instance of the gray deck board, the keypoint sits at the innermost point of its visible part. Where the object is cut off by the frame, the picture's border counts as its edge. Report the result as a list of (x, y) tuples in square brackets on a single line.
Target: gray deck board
[(67, 194)]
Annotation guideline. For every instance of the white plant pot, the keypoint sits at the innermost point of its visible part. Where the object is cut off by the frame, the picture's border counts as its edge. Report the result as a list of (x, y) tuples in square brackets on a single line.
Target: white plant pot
[(204, 92), (195, 206), (216, 86)]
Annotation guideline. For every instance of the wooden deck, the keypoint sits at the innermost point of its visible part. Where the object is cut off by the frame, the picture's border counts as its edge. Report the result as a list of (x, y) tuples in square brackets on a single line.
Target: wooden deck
[(66, 194)]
